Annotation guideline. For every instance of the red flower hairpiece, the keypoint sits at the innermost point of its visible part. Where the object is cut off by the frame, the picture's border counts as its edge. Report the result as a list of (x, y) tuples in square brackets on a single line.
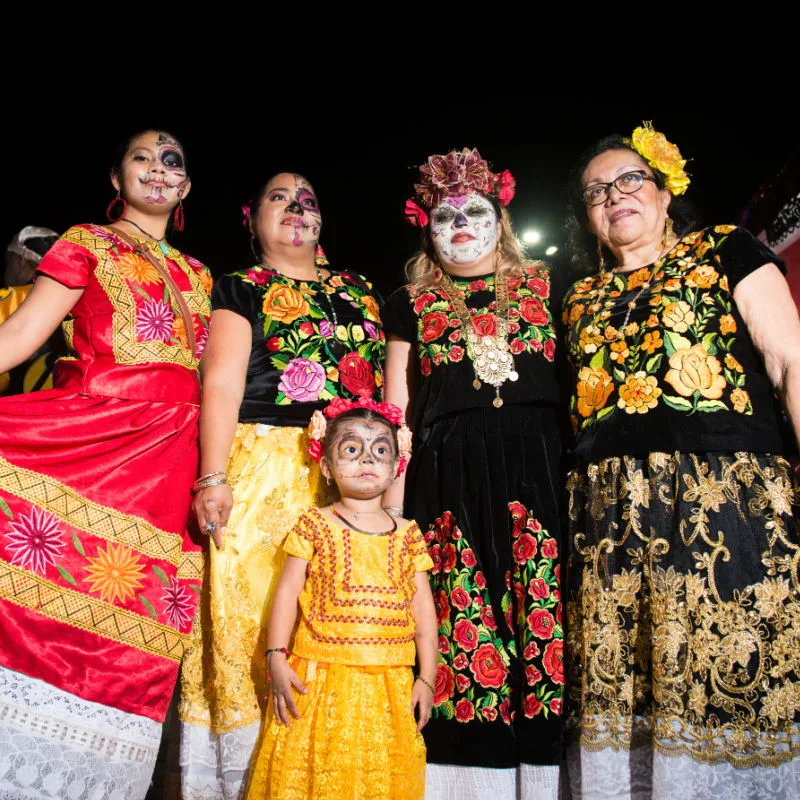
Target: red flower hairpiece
[(453, 175), (246, 212), (339, 405)]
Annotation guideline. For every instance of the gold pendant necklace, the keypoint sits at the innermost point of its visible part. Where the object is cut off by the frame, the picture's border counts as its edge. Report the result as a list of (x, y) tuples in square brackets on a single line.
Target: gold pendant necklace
[(490, 353)]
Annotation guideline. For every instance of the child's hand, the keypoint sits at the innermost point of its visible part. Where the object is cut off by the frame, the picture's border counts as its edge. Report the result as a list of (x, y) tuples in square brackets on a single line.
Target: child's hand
[(422, 701), (283, 678)]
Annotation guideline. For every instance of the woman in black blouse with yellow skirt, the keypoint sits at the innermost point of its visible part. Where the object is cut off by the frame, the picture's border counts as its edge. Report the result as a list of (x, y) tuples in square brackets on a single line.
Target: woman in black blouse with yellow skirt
[(287, 335)]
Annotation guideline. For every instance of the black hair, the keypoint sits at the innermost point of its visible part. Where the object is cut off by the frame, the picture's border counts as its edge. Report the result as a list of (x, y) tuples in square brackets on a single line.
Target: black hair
[(368, 415), (581, 243)]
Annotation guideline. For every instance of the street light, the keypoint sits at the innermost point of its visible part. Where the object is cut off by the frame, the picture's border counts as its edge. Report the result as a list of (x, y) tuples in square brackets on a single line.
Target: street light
[(531, 237), (552, 250)]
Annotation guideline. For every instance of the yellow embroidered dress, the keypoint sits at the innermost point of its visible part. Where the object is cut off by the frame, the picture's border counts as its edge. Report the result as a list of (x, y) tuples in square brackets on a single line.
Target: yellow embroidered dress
[(683, 589), (299, 360), (353, 649)]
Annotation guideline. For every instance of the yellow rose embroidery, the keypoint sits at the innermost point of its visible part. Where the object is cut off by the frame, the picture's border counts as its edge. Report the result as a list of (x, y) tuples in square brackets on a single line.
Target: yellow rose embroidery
[(741, 400), (577, 310), (594, 387), (702, 277), (732, 363), (371, 305), (637, 278), (694, 370), (678, 316), (590, 339), (639, 393), (284, 304), (727, 324), (358, 333)]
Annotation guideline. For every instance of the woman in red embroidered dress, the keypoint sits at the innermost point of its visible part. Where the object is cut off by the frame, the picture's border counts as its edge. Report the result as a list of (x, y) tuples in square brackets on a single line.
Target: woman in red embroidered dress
[(98, 576), (471, 355)]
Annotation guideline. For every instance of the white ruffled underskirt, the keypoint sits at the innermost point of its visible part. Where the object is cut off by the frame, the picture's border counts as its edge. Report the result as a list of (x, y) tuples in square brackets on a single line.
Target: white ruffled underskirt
[(214, 766), (642, 774), (56, 745), (526, 782)]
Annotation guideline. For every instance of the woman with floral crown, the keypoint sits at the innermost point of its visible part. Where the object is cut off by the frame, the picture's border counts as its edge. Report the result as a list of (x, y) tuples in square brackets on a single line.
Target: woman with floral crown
[(470, 357), (99, 572), (682, 587), (287, 336)]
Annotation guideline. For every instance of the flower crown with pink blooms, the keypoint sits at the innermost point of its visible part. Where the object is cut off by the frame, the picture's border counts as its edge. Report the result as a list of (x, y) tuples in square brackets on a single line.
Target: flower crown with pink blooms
[(455, 174), (339, 405)]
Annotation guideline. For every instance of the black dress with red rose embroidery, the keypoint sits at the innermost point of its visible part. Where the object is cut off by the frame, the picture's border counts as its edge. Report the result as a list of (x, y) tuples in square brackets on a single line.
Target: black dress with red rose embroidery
[(483, 485), (311, 342)]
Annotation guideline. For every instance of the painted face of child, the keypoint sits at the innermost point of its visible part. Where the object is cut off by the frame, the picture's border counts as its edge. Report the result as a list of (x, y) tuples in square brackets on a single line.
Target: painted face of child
[(362, 458), (464, 229)]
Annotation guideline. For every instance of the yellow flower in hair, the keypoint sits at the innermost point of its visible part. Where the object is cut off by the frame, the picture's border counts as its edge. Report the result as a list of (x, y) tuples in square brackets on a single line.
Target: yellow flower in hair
[(662, 155)]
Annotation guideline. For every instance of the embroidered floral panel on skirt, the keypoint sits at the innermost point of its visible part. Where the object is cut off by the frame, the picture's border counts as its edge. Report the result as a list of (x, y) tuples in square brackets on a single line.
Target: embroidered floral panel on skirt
[(684, 647)]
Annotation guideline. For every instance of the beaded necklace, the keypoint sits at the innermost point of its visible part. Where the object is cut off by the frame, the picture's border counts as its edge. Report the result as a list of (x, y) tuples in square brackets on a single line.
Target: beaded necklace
[(607, 279), (490, 354)]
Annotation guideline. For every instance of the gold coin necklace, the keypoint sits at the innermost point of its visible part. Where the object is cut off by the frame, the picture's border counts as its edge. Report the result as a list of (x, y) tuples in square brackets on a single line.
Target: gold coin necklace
[(490, 353)]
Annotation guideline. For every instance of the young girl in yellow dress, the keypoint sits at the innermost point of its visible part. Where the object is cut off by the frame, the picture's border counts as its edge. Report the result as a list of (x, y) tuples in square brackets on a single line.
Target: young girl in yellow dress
[(346, 710)]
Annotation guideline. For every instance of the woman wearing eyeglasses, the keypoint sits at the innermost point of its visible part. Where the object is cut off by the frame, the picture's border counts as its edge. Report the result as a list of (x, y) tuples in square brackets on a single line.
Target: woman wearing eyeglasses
[(682, 588)]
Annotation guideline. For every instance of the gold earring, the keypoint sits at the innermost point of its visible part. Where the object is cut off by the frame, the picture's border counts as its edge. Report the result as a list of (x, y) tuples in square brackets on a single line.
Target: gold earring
[(669, 233), (600, 260), (328, 479)]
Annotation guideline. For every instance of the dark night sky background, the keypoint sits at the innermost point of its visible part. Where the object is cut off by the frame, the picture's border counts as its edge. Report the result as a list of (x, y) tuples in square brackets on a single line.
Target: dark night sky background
[(359, 151)]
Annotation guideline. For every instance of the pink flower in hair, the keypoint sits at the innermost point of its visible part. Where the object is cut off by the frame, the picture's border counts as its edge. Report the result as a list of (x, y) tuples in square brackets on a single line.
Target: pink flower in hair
[(246, 212), (506, 187), (415, 214)]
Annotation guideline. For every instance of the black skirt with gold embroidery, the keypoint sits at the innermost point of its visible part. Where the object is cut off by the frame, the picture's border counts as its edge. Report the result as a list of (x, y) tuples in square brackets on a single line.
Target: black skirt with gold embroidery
[(683, 607)]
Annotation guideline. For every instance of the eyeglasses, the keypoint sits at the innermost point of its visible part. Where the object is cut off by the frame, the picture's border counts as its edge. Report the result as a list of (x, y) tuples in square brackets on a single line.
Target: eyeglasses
[(627, 183)]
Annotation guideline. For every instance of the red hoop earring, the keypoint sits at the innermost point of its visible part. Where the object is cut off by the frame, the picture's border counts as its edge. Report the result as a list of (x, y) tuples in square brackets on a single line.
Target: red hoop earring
[(179, 216), (117, 199)]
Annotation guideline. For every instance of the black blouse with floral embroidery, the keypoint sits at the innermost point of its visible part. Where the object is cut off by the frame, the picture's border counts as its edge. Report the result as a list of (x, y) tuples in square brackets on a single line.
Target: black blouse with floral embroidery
[(307, 347), (684, 373), (427, 319)]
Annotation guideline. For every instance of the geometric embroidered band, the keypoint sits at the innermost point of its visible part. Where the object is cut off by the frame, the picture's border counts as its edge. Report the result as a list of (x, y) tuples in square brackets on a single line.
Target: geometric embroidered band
[(88, 613), (78, 512)]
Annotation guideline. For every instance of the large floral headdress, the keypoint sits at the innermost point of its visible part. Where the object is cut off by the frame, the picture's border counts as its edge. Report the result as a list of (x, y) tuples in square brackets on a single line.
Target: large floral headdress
[(452, 175), (662, 155), (337, 406)]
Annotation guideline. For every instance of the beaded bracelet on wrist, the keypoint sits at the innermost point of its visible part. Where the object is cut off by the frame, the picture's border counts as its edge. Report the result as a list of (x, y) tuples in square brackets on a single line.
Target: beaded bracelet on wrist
[(423, 681)]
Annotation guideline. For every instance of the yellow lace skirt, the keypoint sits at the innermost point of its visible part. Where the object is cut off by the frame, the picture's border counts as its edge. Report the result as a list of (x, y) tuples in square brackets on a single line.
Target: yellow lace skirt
[(223, 677), (356, 738)]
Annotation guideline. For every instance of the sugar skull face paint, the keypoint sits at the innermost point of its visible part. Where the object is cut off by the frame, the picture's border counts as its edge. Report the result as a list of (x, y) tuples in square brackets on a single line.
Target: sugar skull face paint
[(362, 458), (464, 229), (289, 207), (154, 164)]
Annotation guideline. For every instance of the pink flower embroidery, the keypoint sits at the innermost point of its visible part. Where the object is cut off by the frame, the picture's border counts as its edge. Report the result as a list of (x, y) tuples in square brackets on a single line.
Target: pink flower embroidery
[(302, 380), (154, 321), (179, 604), (36, 540)]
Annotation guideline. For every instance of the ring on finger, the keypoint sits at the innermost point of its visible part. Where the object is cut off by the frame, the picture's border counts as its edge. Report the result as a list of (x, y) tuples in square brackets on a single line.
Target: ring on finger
[(210, 527)]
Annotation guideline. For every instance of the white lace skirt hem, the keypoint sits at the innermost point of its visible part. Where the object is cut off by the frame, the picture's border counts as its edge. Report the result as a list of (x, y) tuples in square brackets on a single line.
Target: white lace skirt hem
[(56, 745), (526, 782), (214, 766)]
